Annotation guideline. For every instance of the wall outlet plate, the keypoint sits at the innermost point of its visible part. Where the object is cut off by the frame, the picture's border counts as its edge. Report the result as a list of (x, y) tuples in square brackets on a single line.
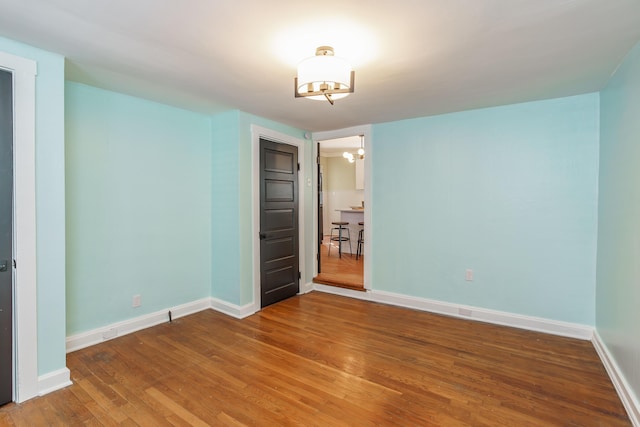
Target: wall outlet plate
[(468, 275), (137, 301)]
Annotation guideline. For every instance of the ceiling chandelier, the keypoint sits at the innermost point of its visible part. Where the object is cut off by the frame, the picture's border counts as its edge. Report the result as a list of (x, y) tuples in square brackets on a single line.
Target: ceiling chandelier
[(350, 157), (324, 76)]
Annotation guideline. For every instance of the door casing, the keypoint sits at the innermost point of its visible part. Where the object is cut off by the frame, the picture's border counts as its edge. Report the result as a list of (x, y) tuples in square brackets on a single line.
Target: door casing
[(24, 237)]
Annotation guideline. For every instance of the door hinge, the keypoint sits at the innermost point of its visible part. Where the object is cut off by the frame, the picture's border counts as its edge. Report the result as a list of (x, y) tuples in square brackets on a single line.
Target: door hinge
[(318, 160), (14, 264), (299, 275), (298, 166)]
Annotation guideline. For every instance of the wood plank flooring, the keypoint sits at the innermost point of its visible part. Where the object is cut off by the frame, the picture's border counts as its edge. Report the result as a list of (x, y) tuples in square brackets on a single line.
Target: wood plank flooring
[(326, 360), (345, 271)]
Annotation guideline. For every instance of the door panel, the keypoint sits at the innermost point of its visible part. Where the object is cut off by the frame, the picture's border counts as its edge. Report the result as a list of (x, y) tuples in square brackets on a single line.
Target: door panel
[(280, 248), (278, 222), (279, 191), (279, 161), (6, 234)]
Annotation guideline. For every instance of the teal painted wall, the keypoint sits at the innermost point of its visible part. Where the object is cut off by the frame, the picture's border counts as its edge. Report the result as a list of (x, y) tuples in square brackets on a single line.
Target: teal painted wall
[(232, 201), (138, 206), (50, 203), (618, 289), (510, 192), (225, 207)]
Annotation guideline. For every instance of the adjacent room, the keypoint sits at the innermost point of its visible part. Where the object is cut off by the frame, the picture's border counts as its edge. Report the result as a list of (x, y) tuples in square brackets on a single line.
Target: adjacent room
[(253, 213), (340, 211)]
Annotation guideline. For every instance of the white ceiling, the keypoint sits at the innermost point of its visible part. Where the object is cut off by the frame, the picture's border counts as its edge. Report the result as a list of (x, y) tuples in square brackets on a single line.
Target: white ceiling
[(412, 57)]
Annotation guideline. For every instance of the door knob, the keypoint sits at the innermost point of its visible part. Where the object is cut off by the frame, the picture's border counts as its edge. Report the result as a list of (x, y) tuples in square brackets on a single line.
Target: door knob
[(262, 236)]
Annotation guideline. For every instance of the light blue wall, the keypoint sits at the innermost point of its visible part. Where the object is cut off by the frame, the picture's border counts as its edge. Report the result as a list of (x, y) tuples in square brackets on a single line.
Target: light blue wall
[(510, 192), (50, 206), (138, 206), (225, 203), (618, 288), (232, 234), (162, 193)]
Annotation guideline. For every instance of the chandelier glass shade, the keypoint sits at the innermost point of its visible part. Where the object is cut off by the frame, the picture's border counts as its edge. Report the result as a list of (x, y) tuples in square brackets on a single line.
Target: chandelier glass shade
[(324, 76)]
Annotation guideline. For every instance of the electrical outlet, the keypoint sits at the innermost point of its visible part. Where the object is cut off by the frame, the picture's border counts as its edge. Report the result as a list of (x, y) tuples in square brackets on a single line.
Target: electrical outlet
[(137, 301), (468, 275)]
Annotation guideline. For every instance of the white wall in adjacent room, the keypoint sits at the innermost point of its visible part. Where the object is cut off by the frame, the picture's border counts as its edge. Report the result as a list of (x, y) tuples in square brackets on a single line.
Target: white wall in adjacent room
[(339, 188)]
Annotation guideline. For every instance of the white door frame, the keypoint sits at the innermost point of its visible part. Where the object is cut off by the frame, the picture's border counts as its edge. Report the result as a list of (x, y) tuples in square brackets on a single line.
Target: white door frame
[(258, 132), (342, 133), (24, 233)]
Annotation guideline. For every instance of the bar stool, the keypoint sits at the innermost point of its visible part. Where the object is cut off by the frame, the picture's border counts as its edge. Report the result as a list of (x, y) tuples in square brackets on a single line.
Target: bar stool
[(360, 240), (341, 226)]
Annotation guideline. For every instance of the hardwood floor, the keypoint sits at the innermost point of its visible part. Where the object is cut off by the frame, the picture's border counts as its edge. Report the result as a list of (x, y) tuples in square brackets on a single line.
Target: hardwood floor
[(345, 271), (325, 360)]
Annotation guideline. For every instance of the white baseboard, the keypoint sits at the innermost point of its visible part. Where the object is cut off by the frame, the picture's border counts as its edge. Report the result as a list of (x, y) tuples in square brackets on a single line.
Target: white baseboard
[(571, 330), (53, 381), (538, 324), (233, 310), (96, 336), (305, 288), (621, 385)]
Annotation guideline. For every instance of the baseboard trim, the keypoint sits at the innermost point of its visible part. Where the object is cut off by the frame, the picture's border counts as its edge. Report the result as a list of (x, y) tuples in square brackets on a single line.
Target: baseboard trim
[(233, 310), (54, 381), (538, 324), (621, 385), (105, 333), (306, 288), (571, 330)]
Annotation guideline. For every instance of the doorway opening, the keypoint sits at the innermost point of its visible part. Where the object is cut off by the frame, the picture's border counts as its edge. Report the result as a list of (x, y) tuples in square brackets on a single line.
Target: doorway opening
[(341, 212)]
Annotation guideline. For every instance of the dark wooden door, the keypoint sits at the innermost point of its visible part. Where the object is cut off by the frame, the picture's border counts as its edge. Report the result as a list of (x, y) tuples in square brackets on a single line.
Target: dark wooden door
[(279, 259), (6, 236)]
